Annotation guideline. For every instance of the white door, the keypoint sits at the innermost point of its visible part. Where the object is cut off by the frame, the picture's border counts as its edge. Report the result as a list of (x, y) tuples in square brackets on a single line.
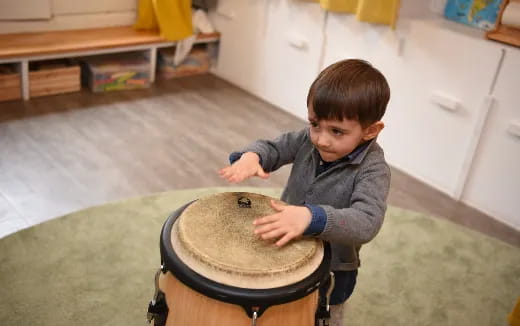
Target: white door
[(494, 183), (428, 136)]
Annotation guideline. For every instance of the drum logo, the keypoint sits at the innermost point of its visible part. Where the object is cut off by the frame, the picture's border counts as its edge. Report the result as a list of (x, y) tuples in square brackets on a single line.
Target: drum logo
[(244, 202)]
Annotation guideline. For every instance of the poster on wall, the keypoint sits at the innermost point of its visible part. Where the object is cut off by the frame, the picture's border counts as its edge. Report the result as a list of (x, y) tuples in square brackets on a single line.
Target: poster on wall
[(477, 13)]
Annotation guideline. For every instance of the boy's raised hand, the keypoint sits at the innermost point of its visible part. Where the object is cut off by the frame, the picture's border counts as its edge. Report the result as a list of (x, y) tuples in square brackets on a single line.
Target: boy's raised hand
[(288, 223), (247, 166)]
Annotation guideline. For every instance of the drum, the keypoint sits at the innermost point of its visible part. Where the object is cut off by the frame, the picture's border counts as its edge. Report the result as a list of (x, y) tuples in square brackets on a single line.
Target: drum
[(216, 271)]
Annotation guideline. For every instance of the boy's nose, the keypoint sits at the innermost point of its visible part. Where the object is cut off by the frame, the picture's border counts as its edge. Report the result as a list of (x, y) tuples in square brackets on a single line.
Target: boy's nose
[(322, 141)]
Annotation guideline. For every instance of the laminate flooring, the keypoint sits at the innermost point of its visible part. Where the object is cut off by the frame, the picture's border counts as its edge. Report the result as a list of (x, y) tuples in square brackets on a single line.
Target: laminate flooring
[(62, 153)]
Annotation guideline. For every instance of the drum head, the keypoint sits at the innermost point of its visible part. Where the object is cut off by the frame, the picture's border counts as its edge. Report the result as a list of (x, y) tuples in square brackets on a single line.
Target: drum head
[(214, 237)]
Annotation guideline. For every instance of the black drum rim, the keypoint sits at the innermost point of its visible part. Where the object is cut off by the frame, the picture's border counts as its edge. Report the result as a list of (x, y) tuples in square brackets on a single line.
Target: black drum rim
[(250, 299)]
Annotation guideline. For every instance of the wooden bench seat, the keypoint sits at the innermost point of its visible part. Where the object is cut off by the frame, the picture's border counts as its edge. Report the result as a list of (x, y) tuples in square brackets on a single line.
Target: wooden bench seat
[(34, 44)]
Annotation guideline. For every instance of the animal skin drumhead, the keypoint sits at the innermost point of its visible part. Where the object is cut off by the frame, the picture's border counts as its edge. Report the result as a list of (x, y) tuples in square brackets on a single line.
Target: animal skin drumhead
[(214, 236)]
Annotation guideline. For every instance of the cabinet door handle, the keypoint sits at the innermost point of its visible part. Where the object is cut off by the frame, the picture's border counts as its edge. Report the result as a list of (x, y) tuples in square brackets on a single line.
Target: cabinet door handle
[(297, 41), (445, 101)]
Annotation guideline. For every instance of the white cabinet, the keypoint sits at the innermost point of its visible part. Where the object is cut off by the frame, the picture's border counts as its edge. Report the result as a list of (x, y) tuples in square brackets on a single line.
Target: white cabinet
[(430, 141), (241, 24), (494, 183), (271, 48), (348, 38), (422, 138), (293, 45)]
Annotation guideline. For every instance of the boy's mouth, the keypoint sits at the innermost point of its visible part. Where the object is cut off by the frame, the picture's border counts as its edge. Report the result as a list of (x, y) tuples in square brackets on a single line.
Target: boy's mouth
[(325, 150)]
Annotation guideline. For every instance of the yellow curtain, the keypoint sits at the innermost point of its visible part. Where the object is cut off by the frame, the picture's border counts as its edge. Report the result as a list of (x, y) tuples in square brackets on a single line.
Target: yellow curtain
[(349, 6), (371, 11), (171, 17)]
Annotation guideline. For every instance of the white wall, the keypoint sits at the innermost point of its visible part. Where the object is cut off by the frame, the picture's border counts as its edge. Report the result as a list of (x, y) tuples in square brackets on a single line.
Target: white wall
[(425, 56), (33, 9), (19, 16)]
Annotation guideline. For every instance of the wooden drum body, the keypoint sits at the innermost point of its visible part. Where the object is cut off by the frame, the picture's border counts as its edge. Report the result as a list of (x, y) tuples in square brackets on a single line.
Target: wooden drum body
[(215, 271), (187, 307)]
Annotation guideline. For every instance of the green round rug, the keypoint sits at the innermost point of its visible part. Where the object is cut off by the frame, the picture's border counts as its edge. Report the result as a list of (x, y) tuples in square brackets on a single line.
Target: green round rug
[(96, 267)]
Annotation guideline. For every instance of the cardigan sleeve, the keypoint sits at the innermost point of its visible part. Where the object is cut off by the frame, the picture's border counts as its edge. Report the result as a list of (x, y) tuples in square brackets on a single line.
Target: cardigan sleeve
[(278, 152)]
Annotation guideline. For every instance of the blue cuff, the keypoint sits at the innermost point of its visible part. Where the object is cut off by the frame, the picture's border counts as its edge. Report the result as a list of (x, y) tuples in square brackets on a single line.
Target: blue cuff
[(318, 220), (235, 156)]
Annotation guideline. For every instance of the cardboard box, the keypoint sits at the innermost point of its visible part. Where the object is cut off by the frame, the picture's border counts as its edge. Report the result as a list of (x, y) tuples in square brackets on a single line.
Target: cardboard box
[(54, 79), (196, 62), (10, 84)]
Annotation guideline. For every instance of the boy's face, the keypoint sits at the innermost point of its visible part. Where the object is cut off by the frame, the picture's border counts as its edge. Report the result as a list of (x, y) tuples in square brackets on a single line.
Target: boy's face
[(336, 138)]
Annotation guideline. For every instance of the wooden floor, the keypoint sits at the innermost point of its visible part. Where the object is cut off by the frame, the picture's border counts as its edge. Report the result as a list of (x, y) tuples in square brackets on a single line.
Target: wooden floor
[(62, 153)]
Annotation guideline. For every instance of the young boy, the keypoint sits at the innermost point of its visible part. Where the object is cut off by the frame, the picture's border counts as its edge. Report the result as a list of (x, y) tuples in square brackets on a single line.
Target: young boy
[(339, 180)]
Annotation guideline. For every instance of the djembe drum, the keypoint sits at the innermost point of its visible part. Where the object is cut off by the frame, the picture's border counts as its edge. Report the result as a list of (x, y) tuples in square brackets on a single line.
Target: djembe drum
[(216, 272)]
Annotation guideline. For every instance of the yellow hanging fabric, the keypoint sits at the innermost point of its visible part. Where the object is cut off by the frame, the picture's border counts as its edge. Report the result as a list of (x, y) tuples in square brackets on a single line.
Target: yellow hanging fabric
[(146, 16), (172, 17), (371, 11), (349, 6), (378, 11)]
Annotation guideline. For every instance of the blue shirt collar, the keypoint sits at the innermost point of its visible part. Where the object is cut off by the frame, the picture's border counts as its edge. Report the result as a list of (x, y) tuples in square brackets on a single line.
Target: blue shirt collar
[(324, 166), (349, 157)]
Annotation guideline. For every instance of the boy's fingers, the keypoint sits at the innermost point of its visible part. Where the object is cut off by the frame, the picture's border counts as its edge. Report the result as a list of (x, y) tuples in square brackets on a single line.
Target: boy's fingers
[(261, 173), (234, 179), (284, 240), (231, 175), (272, 234), (265, 220), (225, 172), (265, 175), (265, 228), (226, 176)]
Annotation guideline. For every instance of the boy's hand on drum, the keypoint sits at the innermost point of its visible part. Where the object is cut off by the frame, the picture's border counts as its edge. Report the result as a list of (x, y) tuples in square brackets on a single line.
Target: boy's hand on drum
[(247, 166), (288, 223)]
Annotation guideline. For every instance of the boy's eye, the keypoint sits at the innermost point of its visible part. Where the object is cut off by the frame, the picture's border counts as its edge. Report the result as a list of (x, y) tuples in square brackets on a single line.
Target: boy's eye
[(313, 124), (337, 132)]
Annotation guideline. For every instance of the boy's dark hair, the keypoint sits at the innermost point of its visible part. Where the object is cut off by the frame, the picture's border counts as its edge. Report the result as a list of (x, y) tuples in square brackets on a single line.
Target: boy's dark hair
[(349, 89)]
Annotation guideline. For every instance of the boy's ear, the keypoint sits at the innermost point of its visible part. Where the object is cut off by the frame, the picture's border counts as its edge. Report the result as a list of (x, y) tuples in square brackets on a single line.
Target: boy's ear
[(373, 130)]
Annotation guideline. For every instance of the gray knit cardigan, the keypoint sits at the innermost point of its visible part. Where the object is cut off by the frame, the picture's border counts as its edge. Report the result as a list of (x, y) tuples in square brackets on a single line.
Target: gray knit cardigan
[(353, 194)]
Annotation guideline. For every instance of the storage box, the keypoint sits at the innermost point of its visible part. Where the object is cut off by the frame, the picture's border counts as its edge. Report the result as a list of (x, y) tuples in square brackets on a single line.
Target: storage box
[(10, 84), (49, 78), (198, 61), (109, 73)]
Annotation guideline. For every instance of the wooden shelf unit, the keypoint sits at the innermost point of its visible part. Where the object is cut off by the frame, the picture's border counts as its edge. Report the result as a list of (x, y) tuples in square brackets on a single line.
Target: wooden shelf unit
[(23, 48), (503, 33)]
